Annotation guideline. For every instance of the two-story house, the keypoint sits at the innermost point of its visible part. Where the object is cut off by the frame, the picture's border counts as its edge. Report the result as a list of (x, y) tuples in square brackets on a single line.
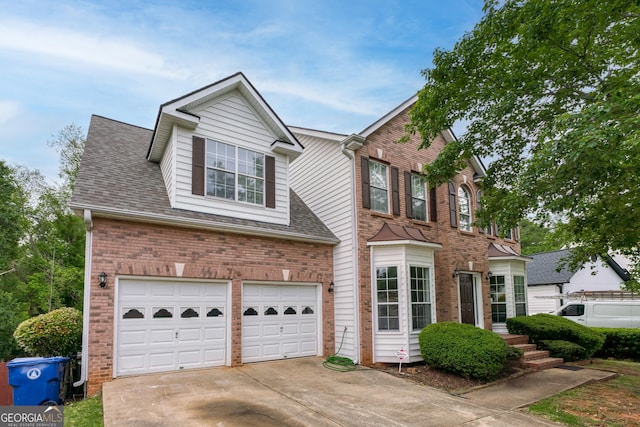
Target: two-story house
[(222, 236), (198, 253), (409, 253)]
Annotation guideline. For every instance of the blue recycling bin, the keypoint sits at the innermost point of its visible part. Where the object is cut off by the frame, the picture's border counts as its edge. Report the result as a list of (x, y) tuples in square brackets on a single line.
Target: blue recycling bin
[(36, 380)]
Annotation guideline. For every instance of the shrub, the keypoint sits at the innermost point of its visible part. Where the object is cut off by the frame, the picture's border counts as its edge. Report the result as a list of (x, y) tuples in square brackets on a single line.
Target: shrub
[(569, 351), (57, 333), (463, 349), (514, 353), (620, 343), (549, 327)]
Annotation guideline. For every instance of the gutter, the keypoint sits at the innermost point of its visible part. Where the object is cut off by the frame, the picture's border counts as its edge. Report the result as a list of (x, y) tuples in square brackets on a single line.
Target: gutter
[(203, 224), (350, 144), (84, 360)]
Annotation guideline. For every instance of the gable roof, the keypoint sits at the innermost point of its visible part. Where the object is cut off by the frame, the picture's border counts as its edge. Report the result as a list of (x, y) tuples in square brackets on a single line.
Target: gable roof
[(177, 112), (116, 180), (542, 271), (447, 134)]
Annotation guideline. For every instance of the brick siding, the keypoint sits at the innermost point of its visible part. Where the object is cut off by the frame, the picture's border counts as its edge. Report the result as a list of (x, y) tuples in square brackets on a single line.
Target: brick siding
[(123, 248), (458, 247)]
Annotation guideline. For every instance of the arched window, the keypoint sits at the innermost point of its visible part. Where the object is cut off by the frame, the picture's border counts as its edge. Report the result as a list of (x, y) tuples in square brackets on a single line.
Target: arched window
[(464, 208)]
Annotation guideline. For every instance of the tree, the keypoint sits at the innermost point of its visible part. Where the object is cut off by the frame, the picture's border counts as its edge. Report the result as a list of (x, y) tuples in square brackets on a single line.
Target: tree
[(535, 238), (551, 89)]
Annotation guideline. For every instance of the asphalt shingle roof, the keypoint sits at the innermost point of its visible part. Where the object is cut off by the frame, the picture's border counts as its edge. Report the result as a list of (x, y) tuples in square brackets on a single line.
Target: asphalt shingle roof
[(543, 269), (115, 178)]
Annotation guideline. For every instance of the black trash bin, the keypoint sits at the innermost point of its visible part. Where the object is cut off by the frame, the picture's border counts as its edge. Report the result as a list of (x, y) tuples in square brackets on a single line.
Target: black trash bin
[(36, 380)]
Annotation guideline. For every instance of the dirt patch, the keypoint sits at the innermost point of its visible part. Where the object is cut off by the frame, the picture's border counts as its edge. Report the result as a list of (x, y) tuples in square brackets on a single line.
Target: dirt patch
[(454, 384)]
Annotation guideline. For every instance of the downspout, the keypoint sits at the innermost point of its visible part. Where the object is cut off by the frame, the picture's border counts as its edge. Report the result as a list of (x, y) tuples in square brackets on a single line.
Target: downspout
[(354, 253), (84, 361)]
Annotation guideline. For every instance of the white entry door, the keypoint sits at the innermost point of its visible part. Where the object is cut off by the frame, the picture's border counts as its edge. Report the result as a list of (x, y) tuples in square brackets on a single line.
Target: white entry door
[(279, 322), (170, 325)]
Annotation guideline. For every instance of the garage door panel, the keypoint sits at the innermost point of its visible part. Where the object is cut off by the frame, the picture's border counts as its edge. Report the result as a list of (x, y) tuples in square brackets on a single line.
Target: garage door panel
[(278, 329), (170, 326)]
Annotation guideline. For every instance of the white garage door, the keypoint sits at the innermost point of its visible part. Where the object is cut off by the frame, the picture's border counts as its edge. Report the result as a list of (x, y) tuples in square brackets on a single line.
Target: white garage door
[(279, 322), (170, 325)]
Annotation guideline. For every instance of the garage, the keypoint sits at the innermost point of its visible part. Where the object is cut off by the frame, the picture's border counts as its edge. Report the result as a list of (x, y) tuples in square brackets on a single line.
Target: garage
[(280, 322), (170, 325)]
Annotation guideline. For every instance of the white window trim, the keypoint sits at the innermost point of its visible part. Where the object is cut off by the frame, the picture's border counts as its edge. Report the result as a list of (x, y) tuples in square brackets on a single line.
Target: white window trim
[(236, 173), (467, 193), (426, 198), (374, 287), (506, 308), (372, 187), (432, 290)]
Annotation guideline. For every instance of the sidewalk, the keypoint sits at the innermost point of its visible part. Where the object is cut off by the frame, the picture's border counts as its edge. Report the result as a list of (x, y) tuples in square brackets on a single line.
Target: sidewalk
[(530, 388)]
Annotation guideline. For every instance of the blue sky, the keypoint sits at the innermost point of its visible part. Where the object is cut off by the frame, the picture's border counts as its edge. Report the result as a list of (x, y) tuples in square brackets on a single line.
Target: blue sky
[(329, 65)]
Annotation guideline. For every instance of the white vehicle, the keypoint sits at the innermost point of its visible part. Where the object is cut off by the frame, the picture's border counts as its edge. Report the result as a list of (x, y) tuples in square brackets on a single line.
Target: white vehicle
[(603, 314)]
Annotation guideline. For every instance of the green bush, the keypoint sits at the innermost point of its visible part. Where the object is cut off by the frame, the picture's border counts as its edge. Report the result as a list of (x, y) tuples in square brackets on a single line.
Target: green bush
[(620, 343), (463, 349), (549, 327), (57, 333), (569, 351), (514, 353)]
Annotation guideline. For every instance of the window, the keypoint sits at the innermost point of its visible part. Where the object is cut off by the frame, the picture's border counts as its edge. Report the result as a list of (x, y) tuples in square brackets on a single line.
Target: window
[(387, 292), (498, 299), (464, 208), (417, 197), (420, 298), (573, 310), (234, 173), (379, 183), (519, 295)]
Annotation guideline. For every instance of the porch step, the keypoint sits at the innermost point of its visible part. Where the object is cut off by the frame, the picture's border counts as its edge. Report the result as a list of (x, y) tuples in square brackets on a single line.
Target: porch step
[(511, 339), (534, 355), (546, 363), (526, 347)]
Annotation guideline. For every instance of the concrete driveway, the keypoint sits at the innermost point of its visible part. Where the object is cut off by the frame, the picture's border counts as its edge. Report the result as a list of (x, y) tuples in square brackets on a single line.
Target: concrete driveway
[(295, 392)]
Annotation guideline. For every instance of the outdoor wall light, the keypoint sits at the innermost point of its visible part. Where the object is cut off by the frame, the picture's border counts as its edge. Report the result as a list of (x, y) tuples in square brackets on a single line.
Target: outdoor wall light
[(489, 275), (456, 273), (102, 279), (331, 285)]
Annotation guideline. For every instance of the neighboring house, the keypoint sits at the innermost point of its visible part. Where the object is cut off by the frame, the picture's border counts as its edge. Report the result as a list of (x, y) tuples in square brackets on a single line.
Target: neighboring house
[(546, 283), (227, 237), (210, 258), (409, 254)]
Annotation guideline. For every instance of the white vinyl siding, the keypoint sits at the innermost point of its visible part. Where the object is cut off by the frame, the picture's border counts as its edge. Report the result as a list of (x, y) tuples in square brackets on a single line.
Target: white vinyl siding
[(231, 120), (542, 305), (167, 167), (334, 206), (387, 343), (507, 269)]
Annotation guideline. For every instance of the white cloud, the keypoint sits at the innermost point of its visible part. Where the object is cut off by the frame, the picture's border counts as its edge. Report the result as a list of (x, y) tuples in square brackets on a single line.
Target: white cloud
[(8, 111), (104, 51)]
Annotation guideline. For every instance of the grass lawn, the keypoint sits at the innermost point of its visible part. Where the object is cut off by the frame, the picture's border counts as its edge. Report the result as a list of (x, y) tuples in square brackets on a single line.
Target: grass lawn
[(615, 402), (87, 412)]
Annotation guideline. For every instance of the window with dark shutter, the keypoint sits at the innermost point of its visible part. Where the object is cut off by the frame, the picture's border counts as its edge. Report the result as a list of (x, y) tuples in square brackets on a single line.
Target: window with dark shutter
[(395, 190), (366, 189), (408, 199), (433, 207), (270, 181), (453, 220), (197, 166)]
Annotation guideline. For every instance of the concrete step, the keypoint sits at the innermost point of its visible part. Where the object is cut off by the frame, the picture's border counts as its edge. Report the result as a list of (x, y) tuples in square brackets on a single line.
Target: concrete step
[(534, 355), (526, 347), (515, 339), (546, 363)]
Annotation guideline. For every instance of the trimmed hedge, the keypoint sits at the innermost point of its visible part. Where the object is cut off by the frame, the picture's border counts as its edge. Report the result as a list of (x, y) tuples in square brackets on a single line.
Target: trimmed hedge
[(620, 343), (57, 333), (569, 351), (543, 326), (463, 349)]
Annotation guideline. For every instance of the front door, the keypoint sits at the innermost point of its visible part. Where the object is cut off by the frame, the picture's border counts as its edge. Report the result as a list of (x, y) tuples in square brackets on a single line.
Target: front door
[(467, 300)]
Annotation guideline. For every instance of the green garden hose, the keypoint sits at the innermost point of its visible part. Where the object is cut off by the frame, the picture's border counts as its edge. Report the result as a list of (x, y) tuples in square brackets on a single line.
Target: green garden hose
[(339, 363)]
